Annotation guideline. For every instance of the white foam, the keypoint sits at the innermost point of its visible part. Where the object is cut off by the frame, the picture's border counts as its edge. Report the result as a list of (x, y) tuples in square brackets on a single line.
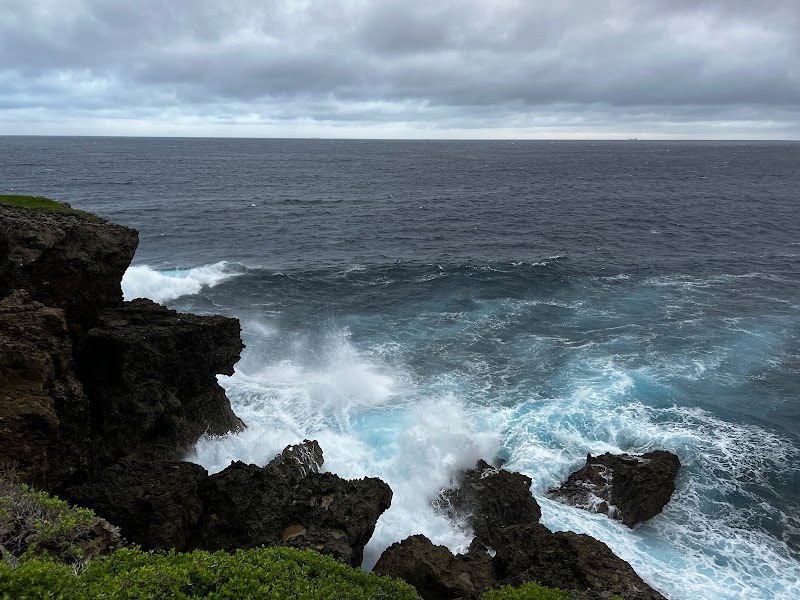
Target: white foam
[(142, 281)]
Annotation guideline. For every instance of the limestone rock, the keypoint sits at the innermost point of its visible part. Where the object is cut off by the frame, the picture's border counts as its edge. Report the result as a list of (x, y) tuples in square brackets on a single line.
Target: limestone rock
[(490, 498), (150, 373), (629, 488), (434, 571), (43, 412), (64, 260)]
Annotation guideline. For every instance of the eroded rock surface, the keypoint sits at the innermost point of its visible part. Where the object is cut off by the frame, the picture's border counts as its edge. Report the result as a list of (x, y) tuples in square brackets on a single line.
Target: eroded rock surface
[(64, 260), (150, 373), (626, 487), (434, 571), (43, 412), (489, 498), (178, 505), (510, 548)]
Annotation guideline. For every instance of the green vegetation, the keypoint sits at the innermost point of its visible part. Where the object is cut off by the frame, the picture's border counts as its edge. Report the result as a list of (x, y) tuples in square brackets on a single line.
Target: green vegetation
[(40, 203), (35, 523), (530, 591), (42, 543), (257, 573)]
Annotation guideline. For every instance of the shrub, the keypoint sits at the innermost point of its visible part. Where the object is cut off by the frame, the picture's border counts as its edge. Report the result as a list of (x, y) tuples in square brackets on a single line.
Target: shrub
[(34, 522), (530, 591), (256, 573)]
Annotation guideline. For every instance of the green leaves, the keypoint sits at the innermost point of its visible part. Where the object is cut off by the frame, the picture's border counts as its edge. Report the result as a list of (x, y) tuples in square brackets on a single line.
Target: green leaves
[(257, 573)]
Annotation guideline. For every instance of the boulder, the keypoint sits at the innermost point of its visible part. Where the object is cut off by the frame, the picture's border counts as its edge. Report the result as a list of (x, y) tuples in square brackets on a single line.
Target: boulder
[(150, 373), (69, 260), (489, 498), (629, 488), (434, 571)]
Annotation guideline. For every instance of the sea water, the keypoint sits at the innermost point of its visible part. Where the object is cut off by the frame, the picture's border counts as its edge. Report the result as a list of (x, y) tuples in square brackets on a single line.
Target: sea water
[(416, 306)]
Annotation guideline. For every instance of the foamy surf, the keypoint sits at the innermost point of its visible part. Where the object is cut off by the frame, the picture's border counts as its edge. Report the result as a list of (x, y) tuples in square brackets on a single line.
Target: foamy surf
[(143, 281)]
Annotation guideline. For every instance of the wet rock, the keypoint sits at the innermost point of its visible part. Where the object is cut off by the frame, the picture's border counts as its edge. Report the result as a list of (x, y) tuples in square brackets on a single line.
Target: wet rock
[(629, 488), (247, 506), (150, 373), (490, 498), (66, 260), (575, 562), (297, 461), (434, 571)]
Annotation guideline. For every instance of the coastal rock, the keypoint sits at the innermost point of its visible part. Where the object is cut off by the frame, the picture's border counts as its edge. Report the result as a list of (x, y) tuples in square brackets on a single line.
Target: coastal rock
[(163, 504), (490, 498), (575, 562), (157, 504), (629, 488), (43, 411), (150, 373), (434, 571), (246, 506), (67, 260), (297, 461)]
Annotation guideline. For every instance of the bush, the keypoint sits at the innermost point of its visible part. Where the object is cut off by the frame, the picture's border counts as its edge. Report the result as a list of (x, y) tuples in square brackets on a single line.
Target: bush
[(257, 573), (34, 522), (530, 591)]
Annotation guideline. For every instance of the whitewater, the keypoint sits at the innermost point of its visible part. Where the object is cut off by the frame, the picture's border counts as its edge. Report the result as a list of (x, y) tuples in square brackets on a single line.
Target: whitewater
[(416, 306)]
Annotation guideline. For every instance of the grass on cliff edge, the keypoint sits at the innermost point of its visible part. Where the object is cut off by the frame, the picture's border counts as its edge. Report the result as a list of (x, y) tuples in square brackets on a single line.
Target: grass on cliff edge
[(40, 203)]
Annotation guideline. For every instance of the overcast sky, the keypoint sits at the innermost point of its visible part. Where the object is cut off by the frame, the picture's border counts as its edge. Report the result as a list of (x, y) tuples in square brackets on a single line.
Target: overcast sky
[(402, 68)]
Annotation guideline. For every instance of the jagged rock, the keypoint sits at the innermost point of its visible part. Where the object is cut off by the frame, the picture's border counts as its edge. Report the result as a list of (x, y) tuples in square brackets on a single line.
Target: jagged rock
[(160, 504), (629, 488), (246, 506), (67, 260), (576, 562), (157, 504), (103, 539), (150, 374), (298, 460), (43, 411), (434, 571), (489, 498)]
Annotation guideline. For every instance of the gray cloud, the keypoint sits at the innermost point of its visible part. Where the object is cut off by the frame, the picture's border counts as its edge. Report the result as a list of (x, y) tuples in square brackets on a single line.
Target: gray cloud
[(691, 68)]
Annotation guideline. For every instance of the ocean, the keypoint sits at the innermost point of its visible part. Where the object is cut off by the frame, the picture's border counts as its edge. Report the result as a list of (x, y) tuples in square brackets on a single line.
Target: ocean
[(417, 305)]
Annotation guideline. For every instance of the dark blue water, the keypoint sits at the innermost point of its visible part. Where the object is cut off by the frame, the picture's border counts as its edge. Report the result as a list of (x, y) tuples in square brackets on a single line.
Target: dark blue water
[(418, 305)]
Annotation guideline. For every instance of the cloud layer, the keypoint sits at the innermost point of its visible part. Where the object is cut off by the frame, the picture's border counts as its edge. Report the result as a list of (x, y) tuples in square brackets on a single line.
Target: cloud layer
[(410, 68)]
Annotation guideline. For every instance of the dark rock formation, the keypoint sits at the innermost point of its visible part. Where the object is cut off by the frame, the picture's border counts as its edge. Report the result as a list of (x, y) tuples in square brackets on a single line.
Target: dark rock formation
[(575, 562), (510, 547), (150, 373), (246, 505), (157, 504), (626, 487), (43, 411), (65, 260), (87, 379), (434, 571), (178, 505), (490, 498)]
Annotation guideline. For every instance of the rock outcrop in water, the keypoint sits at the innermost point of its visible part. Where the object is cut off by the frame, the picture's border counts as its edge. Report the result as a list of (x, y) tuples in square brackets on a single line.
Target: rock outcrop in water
[(626, 487), (510, 548)]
